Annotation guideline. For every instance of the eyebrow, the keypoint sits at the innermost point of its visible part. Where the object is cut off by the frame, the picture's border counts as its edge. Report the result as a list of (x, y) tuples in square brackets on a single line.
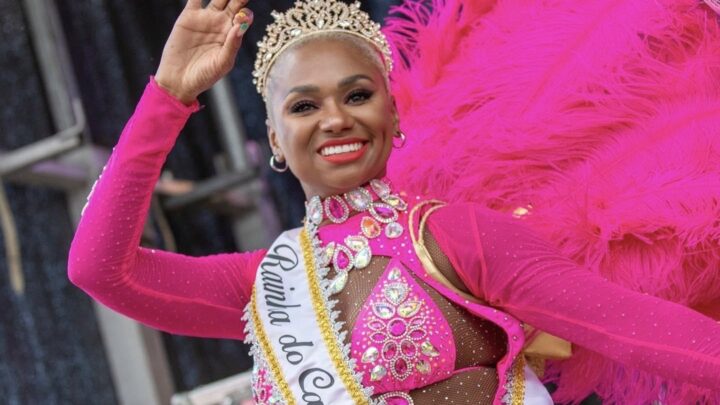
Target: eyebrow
[(308, 88)]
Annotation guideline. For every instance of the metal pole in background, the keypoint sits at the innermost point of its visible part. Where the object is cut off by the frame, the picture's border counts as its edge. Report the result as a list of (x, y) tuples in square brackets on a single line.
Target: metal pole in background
[(256, 228), (135, 353)]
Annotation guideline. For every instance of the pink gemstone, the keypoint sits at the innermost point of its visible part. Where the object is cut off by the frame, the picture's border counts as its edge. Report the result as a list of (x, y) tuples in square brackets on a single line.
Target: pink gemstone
[(384, 212), (343, 261), (401, 366), (418, 334), (408, 348), (397, 327), (376, 325), (378, 337), (336, 208), (389, 351)]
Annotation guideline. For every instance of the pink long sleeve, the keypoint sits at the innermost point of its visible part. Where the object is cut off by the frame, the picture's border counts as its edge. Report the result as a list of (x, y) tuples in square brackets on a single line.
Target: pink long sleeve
[(197, 296), (504, 263)]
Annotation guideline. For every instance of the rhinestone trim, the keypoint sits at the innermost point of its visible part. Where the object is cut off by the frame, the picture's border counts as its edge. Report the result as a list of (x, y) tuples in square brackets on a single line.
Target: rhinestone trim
[(327, 319)]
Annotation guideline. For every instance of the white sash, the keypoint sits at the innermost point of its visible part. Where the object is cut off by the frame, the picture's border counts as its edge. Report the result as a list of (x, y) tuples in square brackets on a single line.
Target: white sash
[(291, 325), (293, 329)]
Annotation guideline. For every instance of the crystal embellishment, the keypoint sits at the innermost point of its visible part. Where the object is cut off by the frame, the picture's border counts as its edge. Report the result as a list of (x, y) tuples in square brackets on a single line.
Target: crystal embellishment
[(395, 292), (408, 309), (370, 227), (326, 255), (402, 328), (315, 210), (394, 274), (311, 17), (383, 212), (423, 367), (428, 349), (356, 242), (393, 230), (380, 188), (359, 199), (362, 258), (378, 372), (342, 259), (395, 202), (370, 355), (338, 283), (336, 209), (383, 311)]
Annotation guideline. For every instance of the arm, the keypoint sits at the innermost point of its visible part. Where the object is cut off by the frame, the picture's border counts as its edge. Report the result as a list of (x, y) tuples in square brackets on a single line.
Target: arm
[(179, 294), (504, 263)]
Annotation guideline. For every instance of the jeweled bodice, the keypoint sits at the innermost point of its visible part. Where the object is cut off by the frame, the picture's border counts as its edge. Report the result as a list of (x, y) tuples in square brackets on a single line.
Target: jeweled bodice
[(401, 331)]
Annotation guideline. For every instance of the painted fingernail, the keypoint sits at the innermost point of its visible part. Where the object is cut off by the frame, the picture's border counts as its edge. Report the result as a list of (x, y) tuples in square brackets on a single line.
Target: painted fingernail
[(244, 15)]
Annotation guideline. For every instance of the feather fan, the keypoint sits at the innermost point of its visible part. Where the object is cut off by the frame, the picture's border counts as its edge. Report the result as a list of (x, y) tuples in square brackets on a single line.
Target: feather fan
[(603, 115)]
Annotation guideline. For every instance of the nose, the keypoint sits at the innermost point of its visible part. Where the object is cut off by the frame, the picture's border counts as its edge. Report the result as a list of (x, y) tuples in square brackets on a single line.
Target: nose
[(336, 119)]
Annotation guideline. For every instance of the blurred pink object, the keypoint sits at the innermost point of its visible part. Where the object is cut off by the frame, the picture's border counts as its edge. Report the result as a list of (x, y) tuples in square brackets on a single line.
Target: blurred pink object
[(603, 116)]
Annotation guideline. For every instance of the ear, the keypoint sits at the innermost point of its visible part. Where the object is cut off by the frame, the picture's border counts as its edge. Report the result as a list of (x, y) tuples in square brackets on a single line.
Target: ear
[(273, 139), (394, 112)]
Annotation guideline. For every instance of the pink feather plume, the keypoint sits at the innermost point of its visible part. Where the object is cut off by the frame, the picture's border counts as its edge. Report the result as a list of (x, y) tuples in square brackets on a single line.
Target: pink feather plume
[(603, 115)]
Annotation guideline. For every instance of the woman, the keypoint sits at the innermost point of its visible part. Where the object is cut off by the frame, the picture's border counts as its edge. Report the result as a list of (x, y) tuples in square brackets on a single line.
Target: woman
[(432, 296)]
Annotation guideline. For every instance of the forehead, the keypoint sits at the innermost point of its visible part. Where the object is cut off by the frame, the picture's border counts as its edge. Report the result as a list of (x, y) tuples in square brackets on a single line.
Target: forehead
[(323, 61)]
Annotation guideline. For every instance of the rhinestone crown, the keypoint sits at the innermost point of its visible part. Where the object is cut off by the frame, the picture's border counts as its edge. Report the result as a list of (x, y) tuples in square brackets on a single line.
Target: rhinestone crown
[(313, 17)]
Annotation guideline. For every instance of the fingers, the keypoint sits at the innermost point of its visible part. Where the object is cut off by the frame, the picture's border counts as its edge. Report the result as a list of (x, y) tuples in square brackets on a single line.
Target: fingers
[(218, 4), (194, 4), (243, 17), (241, 23), (234, 6)]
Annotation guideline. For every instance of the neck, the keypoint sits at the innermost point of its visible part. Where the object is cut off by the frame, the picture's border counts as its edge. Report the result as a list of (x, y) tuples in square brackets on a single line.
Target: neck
[(324, 191)]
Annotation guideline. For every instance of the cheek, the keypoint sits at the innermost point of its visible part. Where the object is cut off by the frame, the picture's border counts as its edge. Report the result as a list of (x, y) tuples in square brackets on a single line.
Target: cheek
[(295, 138)]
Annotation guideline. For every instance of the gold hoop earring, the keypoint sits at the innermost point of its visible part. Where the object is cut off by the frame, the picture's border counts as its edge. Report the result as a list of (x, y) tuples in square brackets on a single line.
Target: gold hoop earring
[(401, 135), (275, 167)]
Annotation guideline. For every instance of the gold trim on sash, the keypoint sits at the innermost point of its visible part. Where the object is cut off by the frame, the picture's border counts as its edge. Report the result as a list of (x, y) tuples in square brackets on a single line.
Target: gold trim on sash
[(326, 325), (517, 390), (270, 358)]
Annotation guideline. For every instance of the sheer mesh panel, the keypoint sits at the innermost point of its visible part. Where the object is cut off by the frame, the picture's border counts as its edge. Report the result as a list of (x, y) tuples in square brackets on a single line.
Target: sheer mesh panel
[(478, 341), (475, 387)]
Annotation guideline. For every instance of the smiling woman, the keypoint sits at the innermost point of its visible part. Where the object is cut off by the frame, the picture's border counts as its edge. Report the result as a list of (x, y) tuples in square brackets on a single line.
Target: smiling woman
[(331, 115), (382, 296)]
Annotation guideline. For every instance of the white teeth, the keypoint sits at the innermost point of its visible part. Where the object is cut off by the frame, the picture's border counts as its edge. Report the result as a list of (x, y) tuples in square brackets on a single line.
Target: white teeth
[(334, 150)]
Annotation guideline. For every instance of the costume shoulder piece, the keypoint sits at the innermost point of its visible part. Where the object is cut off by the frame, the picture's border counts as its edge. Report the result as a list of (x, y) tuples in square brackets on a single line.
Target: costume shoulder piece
[(596, 120)]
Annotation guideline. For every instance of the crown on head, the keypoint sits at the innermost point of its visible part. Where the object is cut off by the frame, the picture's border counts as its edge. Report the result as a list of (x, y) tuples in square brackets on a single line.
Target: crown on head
[(313, 17)]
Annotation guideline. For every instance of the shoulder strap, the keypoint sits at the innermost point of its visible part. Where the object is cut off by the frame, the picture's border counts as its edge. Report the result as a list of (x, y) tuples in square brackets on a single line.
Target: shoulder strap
[(421, 250)]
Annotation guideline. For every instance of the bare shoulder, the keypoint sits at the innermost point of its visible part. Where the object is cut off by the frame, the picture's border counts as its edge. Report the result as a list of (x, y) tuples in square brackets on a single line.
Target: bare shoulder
[(441, 261)]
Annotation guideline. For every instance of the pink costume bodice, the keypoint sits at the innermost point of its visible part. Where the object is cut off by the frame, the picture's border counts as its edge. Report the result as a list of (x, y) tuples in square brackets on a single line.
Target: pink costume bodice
[(401, 340), (498, 260)]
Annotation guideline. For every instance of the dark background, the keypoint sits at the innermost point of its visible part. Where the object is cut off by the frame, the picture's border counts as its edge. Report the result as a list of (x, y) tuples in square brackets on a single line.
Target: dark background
[(50, 346)]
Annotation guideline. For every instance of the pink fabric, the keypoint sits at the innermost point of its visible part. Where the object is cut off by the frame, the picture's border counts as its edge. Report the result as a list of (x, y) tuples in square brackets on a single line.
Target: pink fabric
[(499, 260), (603, 115), (403, 334), (401, 249), (505, 264), (197, 296)]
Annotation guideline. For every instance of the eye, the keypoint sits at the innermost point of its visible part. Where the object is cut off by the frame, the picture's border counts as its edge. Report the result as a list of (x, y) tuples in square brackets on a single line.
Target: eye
[(301, 107), (359, 96)]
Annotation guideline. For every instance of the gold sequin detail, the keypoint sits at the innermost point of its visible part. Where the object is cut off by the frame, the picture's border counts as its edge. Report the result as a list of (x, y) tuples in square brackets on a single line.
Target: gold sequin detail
[(518, 381), (326, 328), (270, 358)]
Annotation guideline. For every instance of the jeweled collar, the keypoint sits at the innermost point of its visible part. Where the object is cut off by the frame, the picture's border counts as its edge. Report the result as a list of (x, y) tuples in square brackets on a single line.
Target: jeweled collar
[(354, 252), (375, 197)]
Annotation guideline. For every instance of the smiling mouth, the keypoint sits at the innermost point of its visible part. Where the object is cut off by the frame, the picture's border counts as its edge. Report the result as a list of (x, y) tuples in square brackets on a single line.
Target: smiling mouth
[(340, 149), (344, 152)]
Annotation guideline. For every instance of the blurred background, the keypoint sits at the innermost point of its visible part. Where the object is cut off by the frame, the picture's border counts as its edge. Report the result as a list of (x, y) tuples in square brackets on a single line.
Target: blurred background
[(71, 72)]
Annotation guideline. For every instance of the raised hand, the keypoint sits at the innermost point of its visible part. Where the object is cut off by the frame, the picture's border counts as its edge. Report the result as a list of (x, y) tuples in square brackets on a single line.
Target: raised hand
[(202, 46)]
